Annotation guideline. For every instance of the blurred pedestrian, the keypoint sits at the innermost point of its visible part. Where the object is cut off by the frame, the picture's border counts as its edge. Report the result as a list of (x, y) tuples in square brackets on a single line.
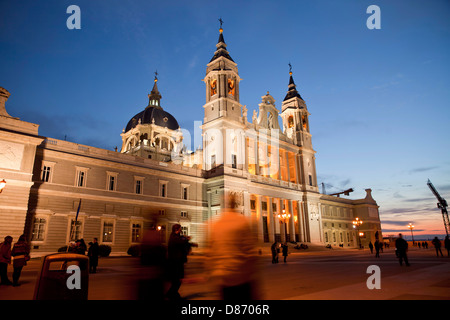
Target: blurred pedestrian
[(401, 247), (93, 253), (153, 258), (21, 254), (447, 245), (233, 254), (5, 259), (371, 247), (378, 247), (274, 249), (80, 247), (177, 251), (437, 245), (285, 251)]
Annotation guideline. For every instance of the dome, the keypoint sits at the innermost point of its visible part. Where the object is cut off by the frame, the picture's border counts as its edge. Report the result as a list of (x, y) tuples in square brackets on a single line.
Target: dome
[(153, 115)]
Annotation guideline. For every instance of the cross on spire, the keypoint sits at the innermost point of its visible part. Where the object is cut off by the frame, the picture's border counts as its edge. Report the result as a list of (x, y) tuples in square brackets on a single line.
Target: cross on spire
[(156, 75), (290, 67), (221, 22)]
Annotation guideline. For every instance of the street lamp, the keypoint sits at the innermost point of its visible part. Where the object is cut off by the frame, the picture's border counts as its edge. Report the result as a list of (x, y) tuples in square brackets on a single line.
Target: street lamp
[(2, 185), (411, 227), (356, 224), (283, 218)]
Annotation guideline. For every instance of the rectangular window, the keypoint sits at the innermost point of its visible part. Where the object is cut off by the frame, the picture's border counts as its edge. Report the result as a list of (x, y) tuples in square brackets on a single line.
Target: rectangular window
[(253, 204), (213, 161), (111, 181), (81, 179), (184, 231), (162, 212), (233, 161), (184, 191), (136, 232), (38, 229), (163, 189), (75, 230), (46, 173), (310, 180), (138, 187), (184, 214), (264, 205), (108, 231)]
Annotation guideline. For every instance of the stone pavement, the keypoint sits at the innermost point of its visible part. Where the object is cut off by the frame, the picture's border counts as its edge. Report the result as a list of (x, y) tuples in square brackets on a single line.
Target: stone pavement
[(336, 274)]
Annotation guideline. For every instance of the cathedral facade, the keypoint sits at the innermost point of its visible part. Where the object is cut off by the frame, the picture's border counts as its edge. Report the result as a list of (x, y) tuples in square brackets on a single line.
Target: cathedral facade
[(58, 191)]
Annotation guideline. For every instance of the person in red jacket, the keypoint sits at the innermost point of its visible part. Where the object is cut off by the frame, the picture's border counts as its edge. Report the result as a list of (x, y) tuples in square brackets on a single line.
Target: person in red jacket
[(5, 259), (21, 254)]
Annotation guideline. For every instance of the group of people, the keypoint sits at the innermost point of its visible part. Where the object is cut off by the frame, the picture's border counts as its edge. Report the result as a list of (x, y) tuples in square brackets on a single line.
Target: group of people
[(163, 264), (231, 260), (378, 247), (93, 252), (19, 254), (401, 248), (276, 248)]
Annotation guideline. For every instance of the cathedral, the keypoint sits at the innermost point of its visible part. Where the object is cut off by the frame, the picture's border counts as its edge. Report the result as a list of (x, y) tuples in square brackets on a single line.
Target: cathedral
[(58, 191)]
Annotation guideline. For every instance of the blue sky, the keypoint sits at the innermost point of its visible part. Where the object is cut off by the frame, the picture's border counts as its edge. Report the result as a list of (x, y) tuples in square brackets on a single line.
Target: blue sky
[(379, 99)]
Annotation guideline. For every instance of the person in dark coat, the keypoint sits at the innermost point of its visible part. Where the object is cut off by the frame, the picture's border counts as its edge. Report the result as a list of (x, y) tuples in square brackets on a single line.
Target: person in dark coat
[(177, 250), (378, 247), (21, 254), (402, 247), (5, 259), (371, 247), (274, 249), (437, 245), (93, 253), (285, 251)]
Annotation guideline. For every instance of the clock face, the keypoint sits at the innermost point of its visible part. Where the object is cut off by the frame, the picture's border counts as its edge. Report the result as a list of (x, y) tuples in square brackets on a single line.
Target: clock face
[(231, 87), (213, 87)]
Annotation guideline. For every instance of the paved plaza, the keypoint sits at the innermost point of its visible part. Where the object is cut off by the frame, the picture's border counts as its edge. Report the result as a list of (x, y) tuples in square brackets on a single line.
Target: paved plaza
[(313, 274)]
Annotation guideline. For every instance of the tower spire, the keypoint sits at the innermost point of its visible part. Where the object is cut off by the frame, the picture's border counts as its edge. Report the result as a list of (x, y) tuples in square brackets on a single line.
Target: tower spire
[(154, 97), (221, 46), (292, 90)]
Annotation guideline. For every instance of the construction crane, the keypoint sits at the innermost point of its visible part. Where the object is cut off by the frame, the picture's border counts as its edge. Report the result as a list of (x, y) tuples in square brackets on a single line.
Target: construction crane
[(345, 192), (442, 204)]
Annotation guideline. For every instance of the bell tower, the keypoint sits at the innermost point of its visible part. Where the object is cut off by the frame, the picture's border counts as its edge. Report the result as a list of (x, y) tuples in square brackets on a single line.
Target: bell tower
[(222, 129), (295, 116), (222, 84)]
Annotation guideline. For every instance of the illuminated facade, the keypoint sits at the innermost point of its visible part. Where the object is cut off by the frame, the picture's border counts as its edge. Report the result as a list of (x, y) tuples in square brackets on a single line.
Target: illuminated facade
[(154, 181)]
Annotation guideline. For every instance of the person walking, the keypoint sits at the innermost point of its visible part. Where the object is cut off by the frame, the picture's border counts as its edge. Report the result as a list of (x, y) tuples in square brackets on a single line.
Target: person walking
[(447, 245), (233, 259), (177, 250), (371, 247), (21, 254), (274, 249), (93, 253), (285, 251), (5, 259), (437, 245), (402, 247), (378, 247)]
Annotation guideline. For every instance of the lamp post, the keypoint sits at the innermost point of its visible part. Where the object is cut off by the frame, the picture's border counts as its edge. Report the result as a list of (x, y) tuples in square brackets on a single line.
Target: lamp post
[(2, 185), (356, 224), (411, 227), (283, 219)]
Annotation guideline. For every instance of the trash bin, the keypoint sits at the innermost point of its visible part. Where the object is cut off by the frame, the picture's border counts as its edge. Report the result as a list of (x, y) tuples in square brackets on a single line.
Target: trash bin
[(63, 276)]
